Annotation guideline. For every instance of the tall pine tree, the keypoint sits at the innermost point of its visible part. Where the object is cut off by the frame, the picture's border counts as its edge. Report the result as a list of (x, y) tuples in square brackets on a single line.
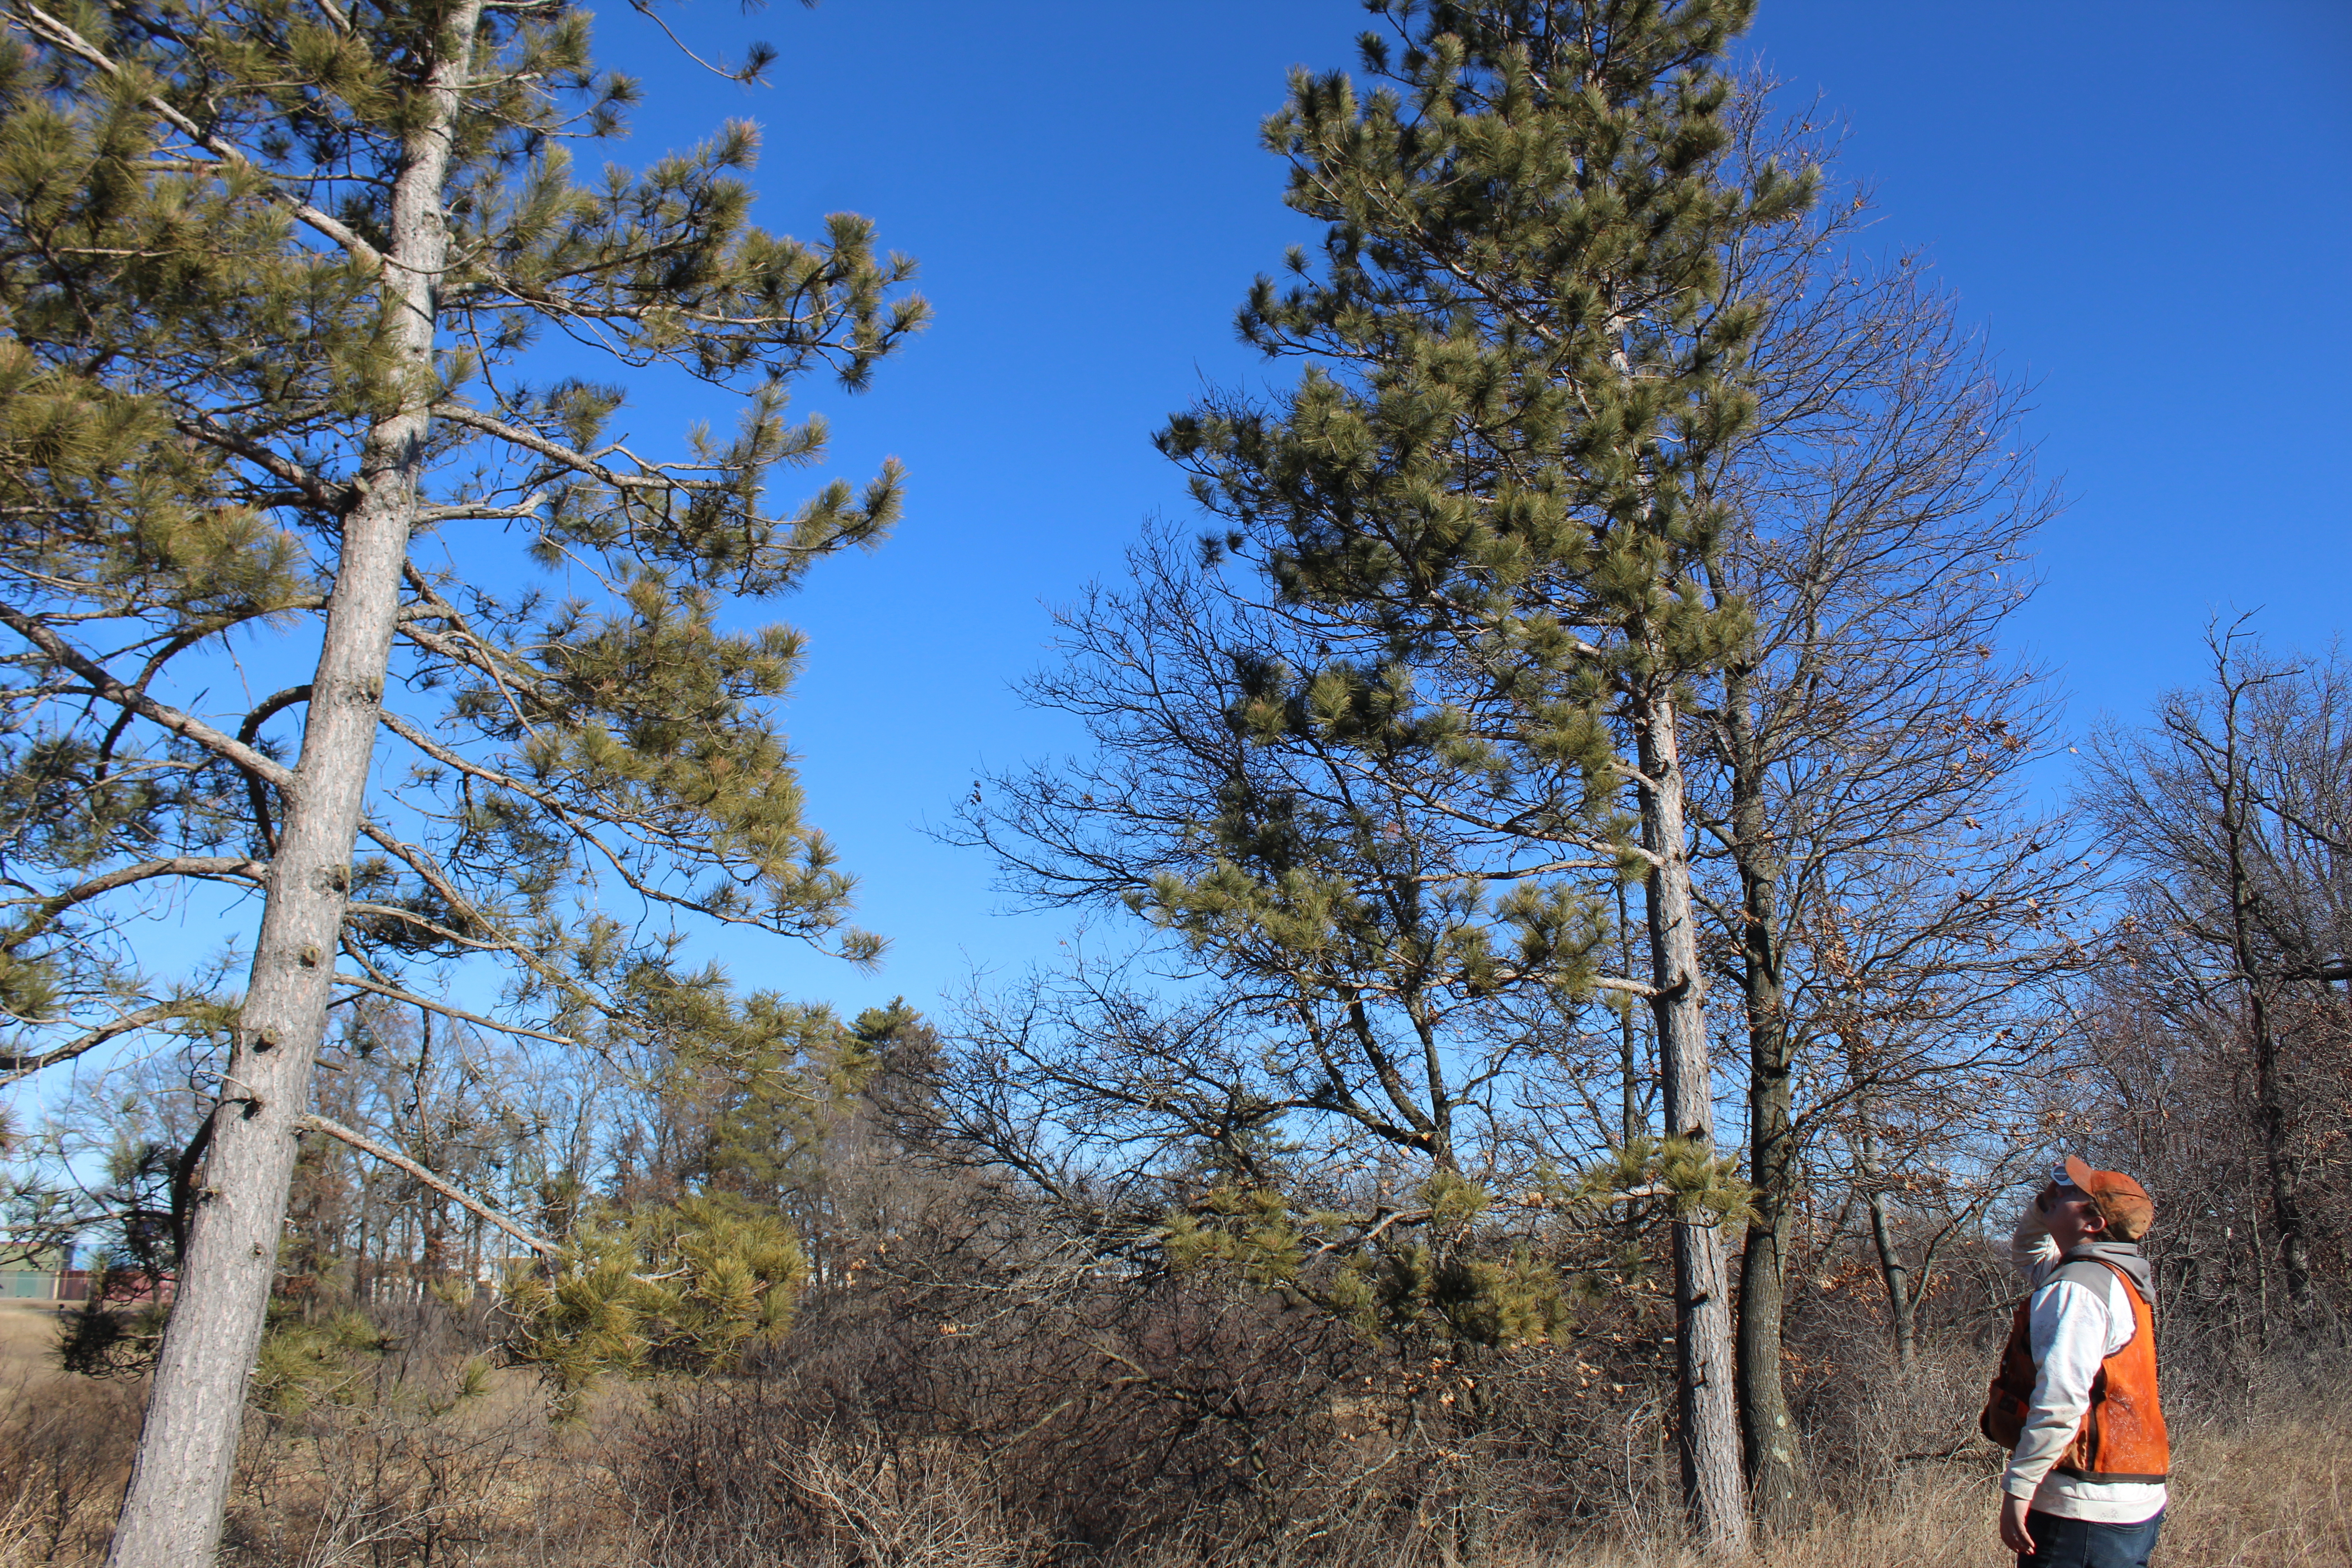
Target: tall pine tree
[(269, 270), (1491, 488)]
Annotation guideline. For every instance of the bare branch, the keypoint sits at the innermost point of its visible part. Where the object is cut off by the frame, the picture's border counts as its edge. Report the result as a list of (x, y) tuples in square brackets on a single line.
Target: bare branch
[(17, 1067), (106, 686), (402, 1162)]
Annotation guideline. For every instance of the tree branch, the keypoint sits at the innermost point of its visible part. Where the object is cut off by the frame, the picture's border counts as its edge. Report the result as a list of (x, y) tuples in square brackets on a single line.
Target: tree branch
[(22, 1067), (103, 683), (395, 993), (399, 1162), (49, 908), (40, 23)]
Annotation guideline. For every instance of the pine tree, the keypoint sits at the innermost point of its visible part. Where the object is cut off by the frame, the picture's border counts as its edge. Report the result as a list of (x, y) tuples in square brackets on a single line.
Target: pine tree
[(1492, 486), (269, 272)]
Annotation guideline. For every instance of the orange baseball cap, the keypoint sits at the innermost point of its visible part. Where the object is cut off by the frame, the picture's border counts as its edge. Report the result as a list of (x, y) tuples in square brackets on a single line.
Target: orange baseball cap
[(2128, 1209)]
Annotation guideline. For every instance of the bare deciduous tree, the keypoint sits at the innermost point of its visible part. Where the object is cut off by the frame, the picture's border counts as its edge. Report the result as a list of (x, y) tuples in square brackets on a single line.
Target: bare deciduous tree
[(2234, 817), (1870, 888)]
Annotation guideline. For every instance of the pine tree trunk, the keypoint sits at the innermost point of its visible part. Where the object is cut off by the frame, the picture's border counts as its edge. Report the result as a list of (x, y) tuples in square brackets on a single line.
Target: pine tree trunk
[(1766, 1431), (1632, 1122), (187, 1447), (1709, 1434)]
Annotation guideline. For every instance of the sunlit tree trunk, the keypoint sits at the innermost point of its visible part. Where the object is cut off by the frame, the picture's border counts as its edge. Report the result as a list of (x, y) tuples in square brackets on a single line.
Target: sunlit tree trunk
[(187, 1447), (1706, 1382)]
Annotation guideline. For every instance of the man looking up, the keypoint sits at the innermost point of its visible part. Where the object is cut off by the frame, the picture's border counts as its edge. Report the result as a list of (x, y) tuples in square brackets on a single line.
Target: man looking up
[(2076, 1397)]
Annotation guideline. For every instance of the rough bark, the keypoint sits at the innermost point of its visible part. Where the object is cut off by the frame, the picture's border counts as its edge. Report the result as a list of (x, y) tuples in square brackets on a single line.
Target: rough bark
[(1709, 1436), (1632, 1115), (187, 1447), (1767, 1433)]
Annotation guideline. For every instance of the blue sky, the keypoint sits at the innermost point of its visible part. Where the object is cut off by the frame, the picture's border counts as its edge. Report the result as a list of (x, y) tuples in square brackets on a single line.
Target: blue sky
[(2142, 206)]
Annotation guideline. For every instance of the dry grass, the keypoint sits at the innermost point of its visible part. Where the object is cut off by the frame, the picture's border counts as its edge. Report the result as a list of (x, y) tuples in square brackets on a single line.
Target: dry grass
[(2266, 1497), (65, 1444), (2274, 1497), (28, 1338), (349, 1488), (2261, 1496)]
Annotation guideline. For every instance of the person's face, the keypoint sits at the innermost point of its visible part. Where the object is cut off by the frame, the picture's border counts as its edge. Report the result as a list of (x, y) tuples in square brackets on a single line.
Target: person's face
[(2072, 1217)]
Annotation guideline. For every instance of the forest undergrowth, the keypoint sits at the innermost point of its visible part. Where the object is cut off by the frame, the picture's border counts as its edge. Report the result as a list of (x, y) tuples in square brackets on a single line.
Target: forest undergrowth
[(426, 1457)]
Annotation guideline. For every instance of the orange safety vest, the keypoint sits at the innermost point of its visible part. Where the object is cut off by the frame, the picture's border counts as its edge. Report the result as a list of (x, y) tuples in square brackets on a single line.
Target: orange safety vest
[(2122, 1437)]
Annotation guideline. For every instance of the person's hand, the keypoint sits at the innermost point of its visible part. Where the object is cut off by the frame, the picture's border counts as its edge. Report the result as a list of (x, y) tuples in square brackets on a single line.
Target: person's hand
[(2013, 1533), (2045, 1197)]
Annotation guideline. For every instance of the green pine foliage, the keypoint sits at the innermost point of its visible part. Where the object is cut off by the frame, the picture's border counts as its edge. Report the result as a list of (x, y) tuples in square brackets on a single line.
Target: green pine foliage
[(133, 1248), (686, 1287), (1369, 760), (309, 1361), (1438, 1274), (767, 1113), (766, 1106), (1490, 492), (1454, 1265), (196, 340)]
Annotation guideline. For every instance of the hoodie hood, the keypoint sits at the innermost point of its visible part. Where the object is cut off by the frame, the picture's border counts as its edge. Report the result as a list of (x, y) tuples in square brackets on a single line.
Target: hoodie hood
[(2126, 1256)]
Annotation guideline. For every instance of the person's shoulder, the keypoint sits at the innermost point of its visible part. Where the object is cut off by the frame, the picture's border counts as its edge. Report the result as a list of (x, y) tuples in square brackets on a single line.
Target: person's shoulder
[(2077, 1279)]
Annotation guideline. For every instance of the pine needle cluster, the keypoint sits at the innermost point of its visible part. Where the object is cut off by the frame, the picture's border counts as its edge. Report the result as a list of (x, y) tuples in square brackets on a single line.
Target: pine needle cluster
[(690, 1286)]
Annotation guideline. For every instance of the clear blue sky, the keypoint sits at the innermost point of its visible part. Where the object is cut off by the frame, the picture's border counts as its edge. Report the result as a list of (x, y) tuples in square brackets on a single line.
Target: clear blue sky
[(2144, 206)]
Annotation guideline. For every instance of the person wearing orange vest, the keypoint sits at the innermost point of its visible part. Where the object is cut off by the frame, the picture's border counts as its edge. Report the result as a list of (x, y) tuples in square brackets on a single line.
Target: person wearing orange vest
[(2075, 1398)]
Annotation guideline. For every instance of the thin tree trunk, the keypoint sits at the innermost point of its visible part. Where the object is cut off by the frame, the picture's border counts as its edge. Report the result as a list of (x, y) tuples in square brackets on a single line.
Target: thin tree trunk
[(360, 1255), (1708, 1431), (433, 1221), (1901, 1310), (1766, 1431), (1632, 1120), (187, 1447), (1901, 1300), (2270, 1093)]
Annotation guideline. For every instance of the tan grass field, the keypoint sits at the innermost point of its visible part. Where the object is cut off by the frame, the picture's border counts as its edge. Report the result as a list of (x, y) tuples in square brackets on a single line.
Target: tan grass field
[(2274, 1498), (28, 1330), (2259, 1496), (2250, 1500)]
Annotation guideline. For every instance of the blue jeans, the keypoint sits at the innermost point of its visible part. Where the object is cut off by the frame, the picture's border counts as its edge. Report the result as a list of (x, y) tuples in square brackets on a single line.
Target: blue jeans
[(2079, 1544)]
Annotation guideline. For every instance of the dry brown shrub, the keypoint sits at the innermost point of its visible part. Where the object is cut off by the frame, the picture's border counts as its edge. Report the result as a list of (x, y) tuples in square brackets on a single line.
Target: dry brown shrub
[(1164, 1411), (919, 1508), (65, 1448), (875, 1455), (2251, 1498)]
